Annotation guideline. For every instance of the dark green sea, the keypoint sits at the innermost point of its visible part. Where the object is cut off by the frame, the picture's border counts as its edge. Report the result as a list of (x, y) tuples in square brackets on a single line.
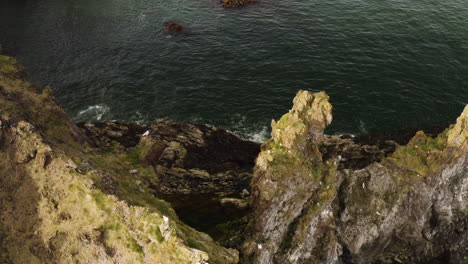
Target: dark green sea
[(385, 64)]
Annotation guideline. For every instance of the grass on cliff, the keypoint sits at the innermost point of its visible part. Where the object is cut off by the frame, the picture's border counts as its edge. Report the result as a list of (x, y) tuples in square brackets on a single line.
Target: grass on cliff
[(130, 178), (423, 155)]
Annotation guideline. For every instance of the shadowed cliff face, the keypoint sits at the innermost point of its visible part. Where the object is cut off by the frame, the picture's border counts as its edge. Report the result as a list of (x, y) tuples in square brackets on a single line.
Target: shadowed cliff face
[(409, 206)]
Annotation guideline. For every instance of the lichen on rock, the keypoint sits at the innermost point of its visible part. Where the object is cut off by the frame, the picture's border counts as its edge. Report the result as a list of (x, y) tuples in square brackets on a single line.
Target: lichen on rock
[(291, 179), (408, 205)]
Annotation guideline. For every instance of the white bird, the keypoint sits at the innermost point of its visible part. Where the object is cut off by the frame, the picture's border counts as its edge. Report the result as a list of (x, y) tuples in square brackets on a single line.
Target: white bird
[(146, 133), (165, 218)]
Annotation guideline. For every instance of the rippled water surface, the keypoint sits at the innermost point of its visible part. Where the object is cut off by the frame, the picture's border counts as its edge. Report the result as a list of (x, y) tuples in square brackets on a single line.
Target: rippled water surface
[(385, 64)]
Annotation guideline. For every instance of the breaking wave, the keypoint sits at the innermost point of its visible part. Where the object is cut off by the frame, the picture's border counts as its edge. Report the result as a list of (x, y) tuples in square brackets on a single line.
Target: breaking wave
[(94, 113)]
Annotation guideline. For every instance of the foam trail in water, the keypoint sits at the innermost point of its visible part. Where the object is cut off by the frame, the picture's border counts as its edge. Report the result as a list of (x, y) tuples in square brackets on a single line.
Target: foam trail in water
[(93, 113), (362, 127)]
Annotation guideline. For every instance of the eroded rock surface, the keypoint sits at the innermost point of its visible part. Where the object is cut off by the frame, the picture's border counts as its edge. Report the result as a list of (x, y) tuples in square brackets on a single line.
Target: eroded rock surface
[(409, 206)]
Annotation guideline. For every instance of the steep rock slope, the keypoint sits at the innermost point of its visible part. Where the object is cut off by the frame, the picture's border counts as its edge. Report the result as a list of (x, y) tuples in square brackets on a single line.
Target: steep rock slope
[(407, 207), (52, 206)]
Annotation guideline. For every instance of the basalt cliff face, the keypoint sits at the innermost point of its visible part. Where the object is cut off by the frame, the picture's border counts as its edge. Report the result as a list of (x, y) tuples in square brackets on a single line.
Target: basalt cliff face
[(172, 192)]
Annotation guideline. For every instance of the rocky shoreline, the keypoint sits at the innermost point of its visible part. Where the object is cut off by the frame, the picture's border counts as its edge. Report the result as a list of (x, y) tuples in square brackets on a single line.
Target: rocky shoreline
[(175, 192)]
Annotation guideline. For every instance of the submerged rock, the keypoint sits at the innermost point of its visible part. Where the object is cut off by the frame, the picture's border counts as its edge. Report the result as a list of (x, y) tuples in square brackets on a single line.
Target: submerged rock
[(409, 206), (173, 27), (237, 3)]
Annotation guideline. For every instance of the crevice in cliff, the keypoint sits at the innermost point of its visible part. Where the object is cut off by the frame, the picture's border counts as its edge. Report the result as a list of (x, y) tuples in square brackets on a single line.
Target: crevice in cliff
[(287, 240)]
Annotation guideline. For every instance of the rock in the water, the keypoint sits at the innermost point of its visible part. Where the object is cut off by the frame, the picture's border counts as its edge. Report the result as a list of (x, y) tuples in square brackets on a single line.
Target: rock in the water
[(408, 206), (173, 27), (237, 3)]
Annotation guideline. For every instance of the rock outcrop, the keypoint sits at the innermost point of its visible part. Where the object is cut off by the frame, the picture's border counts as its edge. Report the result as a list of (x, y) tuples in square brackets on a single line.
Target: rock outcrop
[(408, 205)]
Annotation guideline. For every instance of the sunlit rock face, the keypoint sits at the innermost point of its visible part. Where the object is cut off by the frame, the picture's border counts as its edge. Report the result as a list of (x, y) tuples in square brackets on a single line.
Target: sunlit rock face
[(409, 206)]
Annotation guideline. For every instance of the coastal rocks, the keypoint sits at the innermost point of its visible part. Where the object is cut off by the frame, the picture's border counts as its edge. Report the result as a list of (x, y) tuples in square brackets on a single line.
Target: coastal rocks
[(89, 194), (407, 205), (237, 3), (103, 134), (198, 167)]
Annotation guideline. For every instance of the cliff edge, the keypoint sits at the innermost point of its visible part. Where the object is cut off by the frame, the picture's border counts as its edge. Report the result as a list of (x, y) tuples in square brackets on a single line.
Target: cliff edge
[(408, 206)]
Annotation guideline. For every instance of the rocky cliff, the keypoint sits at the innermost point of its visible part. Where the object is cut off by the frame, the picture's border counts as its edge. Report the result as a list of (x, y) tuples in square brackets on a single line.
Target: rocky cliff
[(171, 192), (406, 206), (63, 199)]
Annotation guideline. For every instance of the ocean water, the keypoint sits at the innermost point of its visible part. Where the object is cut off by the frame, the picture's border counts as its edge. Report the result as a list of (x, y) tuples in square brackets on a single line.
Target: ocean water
[(385, 64)]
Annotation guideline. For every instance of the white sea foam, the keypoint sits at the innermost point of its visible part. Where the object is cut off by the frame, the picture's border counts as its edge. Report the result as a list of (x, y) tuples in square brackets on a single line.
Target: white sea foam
[(362, 127), (259, 136), (244, 128), (93, 113)]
